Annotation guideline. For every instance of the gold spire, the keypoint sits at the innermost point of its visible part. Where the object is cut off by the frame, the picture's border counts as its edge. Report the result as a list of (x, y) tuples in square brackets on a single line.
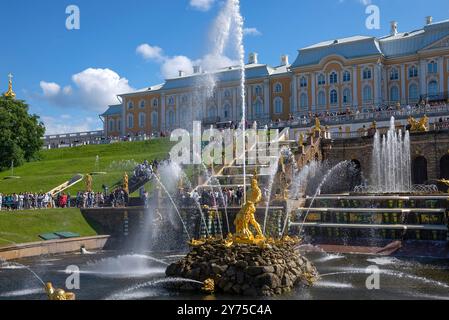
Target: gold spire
[(10, 93)]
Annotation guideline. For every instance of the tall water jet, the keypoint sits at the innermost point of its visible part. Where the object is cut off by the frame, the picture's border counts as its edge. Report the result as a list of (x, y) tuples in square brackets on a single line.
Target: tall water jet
[(391, 161)]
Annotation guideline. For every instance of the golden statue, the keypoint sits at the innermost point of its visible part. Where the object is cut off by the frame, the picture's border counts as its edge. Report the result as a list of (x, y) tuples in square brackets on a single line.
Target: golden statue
[(317, 127), (126, 183), (419, 126), (374, 125), (208, 286), (246, 217), (58, 294), (10, 93), (301, 140), (88, 183), (446, 182)]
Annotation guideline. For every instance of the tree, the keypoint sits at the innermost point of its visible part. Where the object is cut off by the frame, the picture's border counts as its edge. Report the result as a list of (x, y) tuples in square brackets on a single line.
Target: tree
[(20, 133)]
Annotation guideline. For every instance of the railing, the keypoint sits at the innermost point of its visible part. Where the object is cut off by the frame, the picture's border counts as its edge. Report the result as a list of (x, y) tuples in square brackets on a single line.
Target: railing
[(305, 121)]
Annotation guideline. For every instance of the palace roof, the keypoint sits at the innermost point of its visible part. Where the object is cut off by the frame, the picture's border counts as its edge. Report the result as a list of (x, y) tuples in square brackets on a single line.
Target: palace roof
[(113, 110)]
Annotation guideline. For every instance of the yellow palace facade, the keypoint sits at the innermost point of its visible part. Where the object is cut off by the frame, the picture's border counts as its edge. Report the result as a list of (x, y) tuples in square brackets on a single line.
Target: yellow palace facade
[(358, 73)]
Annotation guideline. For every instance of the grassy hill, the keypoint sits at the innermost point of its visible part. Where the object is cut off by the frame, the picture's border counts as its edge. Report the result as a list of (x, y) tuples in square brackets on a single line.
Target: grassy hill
[(26, 226), (60, 165)]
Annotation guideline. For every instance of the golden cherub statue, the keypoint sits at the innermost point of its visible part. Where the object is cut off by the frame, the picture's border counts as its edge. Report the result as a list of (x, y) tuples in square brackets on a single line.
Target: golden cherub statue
[(58, 294), (301, 140), (246, 217), (209, 286), (88, 183), (317, 125), (419, 126), (126, 183)]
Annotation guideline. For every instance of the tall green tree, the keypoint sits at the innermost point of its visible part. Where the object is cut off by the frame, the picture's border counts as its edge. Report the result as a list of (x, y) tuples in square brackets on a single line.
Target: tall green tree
[(20, 133)]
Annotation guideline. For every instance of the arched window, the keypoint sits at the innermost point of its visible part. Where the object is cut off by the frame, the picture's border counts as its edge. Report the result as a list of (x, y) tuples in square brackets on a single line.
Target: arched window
[(333, 78), (394, 94), (413, 92), (184, 99), (130, 121), (130, 105), (304, 101), (155, 102), (278, 88), (433, 88), (154, 120), (321, 80), (303, 82), (419, 170), (394, 74), (227, 111), (142, 119), (258, 91), (184, 114), (171, 118), (278, 105), (258, 107), (367, 74), (346, 76), (142, 104), (111, 125), (347, 96), (334, 97), (367, 94), (413, 72), (432, 67), (171, 101), (321, 99), (227, 94)]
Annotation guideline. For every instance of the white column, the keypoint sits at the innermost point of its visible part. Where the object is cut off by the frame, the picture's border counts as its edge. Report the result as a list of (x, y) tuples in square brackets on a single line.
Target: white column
[(355, 89), (441, 72), (163, 127), (377, 84), (295, 94), (403, 95), (423, 76), (267, 95), (313, 84)]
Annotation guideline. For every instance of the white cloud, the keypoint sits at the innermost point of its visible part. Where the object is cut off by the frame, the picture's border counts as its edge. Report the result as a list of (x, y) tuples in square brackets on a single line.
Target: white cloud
[(171, 66), (150, 53), (251, 32), (50, 89), (202, 5), (94, 90)]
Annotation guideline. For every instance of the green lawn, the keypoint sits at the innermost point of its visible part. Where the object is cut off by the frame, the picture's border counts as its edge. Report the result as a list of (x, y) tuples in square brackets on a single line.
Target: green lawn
[(59, 165), (25, 226)]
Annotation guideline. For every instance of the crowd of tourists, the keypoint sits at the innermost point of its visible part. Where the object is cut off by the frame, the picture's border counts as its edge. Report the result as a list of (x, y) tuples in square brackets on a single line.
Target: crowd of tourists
[(229, 197)]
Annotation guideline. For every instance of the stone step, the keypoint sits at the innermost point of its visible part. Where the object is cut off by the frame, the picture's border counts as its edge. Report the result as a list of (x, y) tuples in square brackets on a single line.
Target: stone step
[(371, 226), (373, 210)]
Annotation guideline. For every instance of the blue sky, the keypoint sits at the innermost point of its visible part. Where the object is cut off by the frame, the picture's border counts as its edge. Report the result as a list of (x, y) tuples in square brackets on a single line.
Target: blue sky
[(68, 77)]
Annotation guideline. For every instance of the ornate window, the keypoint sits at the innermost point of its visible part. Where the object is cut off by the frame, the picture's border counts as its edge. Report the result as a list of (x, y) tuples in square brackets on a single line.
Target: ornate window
[(227, 94), (394, 94), (155, 103), (130, 121), (413, 92), (111, 125), (321, 80), (278, 105), (130, 105), (171, 101), (433, 88), (333, 78), (258, 91), (155, 120), (321, 99), (367, 74), (394, 74), (211, 112), (334, 97), (347, 96), (367, 94), (413, 72), (142, 104), (346, 76), (185, 99), (227, 111), (432, 67), (142, 119), (303, 82), (304, 101), (171, 118), (278, 88), (258, 107)]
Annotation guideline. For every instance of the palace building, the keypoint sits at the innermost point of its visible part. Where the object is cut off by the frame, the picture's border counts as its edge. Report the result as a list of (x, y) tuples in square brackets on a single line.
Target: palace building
[(355, 74)]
